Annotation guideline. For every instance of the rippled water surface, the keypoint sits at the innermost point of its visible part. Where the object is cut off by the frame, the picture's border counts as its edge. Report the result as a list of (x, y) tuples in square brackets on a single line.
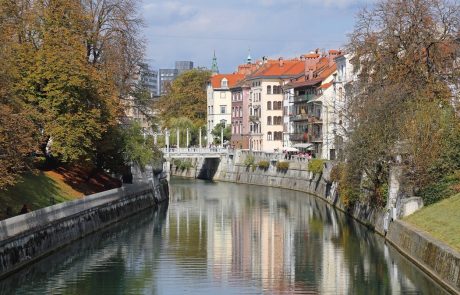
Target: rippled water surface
[(222, 238)]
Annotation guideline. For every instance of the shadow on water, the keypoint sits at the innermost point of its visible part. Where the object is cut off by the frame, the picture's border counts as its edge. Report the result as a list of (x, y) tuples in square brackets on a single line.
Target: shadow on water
[(100, 253)]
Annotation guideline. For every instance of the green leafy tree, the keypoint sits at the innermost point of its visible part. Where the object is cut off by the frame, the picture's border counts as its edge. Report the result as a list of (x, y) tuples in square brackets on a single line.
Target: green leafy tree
[(216, 133), (186, 97)]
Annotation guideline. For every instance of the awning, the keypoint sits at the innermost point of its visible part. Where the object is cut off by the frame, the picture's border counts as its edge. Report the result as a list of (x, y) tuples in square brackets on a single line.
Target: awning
[(290, 149), (308, 146)]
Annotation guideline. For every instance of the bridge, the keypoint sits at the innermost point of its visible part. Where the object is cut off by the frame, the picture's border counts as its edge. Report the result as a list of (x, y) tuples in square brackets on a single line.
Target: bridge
[(196, 152)]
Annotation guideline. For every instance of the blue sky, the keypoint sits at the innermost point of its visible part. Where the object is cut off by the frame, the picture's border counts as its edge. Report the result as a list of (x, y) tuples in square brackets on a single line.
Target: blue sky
[(193, 29)]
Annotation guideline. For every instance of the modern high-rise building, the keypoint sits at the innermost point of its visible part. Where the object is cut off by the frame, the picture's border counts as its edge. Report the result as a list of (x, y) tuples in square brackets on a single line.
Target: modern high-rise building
[(166, 77), (184, 65), (148, 79)]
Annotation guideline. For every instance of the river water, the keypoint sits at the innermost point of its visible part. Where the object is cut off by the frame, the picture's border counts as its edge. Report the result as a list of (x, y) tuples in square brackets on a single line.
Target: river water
[(223, 238)]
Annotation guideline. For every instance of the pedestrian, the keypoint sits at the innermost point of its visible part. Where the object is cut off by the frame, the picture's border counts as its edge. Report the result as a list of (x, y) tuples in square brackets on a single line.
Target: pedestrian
[(24, 209), (9, 212)]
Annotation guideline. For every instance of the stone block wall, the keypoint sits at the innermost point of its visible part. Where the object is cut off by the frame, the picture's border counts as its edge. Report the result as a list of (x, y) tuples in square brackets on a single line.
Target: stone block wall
[(28, 237)]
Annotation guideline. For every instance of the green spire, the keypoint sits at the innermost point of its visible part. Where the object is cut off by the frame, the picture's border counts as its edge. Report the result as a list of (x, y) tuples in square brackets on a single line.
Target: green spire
[(214, 67)]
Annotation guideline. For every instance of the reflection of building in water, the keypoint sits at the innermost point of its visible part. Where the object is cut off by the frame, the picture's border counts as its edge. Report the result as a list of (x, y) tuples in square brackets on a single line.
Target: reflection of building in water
[(279, 244), (334, 269)]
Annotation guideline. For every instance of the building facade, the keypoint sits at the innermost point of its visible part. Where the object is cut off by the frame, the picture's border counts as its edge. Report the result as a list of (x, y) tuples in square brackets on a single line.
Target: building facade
[(183, 65), (219, 101), (240, 115), (314, 110), (266, 102), (165, 78)]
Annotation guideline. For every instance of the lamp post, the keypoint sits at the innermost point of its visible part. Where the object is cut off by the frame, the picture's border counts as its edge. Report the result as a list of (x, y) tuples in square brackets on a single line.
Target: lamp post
[(222, 137), (199, 138), (178, 135), (167, 140), (188, 139)]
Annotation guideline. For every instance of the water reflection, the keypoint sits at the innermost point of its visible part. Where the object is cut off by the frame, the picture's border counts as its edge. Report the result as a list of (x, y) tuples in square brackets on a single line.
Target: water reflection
[(227, 239)]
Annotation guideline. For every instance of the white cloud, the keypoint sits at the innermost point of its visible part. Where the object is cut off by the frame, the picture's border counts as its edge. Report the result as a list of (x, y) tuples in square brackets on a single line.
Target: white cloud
[(191, 30)]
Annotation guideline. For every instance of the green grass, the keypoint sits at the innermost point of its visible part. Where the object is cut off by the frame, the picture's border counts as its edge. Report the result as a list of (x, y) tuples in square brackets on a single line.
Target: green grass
[(441, 220), (35, 190)]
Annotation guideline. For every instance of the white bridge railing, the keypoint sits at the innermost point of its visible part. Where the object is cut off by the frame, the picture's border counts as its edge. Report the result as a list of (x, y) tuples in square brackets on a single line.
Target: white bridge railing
[(197, 151)]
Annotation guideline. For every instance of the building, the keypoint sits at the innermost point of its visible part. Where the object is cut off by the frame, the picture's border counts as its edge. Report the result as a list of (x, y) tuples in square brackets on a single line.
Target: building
[(342, 91), (148, 79), (314, 112), (145, 79), (266, 97), (240, 115), (219, 100), (165, 78), (183, 65)]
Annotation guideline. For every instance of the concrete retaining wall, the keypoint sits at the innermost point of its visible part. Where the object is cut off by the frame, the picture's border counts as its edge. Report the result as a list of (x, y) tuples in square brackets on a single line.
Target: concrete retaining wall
[(436, 258), (27, 237), (439, 261)]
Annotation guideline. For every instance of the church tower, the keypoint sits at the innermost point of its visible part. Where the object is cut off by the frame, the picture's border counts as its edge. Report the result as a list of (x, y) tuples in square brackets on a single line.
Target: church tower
[(214, 67)]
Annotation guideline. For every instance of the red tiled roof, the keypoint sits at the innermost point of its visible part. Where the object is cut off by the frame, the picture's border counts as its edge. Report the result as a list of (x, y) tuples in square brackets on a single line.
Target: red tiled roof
[(276, 68), (232, 79)]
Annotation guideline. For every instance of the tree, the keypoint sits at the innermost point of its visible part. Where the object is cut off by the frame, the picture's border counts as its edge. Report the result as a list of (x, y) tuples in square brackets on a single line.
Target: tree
[(406, 55), (17, 141), (216, 133), (64, 66), (186, 98)]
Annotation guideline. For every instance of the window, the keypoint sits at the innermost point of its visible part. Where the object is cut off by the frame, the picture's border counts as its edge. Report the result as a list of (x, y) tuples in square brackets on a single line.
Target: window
[(277, 120), (269, 89), (276, 105), (269, 136), (276, 89), (224, 83), (233, 112), (269, 120), (241, 112), (269, 105), (278, 135), (223, 109)]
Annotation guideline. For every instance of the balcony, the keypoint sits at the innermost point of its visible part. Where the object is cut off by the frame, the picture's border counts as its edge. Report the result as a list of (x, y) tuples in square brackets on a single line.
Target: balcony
[(299, 117), (315, 120), (254, 119), (296, 137), (315, 137), (303, 98)]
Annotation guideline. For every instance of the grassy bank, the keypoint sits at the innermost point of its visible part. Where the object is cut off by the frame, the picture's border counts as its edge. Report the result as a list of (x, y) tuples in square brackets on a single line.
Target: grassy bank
[(41, 189), (440, 220)]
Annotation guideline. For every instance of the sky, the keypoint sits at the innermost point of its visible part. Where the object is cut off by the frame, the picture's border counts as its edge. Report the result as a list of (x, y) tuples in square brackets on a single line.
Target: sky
[(194, 29)]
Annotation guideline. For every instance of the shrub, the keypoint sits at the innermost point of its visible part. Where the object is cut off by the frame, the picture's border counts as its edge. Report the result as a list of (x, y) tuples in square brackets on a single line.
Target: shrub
[(336, 172), (177, 162), (316, 165), (444, 188), (185, 165), (249, 161), (263, 165), (282, 166)]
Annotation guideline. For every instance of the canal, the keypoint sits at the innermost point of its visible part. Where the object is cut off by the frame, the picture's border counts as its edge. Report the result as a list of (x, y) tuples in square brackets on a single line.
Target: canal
[(223, 238)]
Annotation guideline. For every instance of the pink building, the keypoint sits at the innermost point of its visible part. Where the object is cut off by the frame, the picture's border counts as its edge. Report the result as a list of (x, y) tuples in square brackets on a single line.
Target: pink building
[(240, 115)]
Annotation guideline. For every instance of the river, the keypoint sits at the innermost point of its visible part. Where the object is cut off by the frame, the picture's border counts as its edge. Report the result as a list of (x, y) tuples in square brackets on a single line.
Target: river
[(224, 238)]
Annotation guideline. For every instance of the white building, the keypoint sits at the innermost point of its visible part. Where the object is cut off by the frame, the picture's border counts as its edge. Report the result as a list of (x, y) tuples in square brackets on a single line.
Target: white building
[(219, 101)]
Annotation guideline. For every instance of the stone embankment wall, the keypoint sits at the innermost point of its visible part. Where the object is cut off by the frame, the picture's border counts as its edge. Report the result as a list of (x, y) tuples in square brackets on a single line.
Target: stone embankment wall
[(436, 259), (27, 237)]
